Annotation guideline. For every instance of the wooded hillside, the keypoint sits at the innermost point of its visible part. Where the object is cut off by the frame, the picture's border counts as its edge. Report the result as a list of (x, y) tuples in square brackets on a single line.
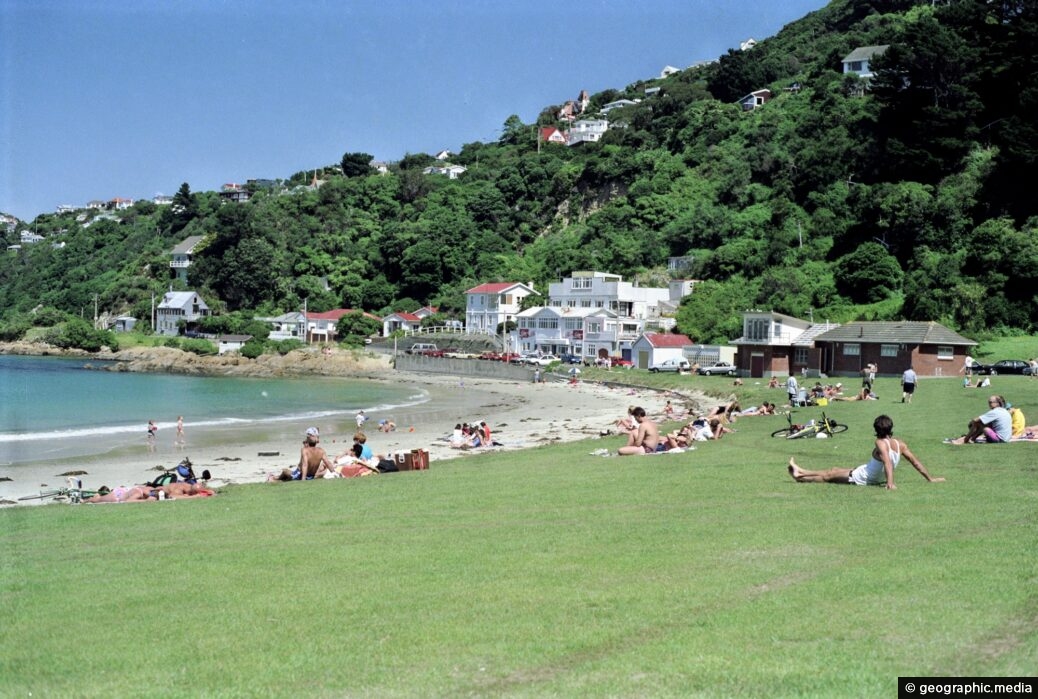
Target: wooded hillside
[(903, 198)]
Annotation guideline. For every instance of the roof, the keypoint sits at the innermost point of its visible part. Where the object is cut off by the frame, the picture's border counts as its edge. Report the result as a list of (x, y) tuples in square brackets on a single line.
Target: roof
[(807, 338), (178, 299), (338, 313), (864, 53), (497, 288), (234, 338), (187, 245), (402, 315), (909, 332), (661, 340)]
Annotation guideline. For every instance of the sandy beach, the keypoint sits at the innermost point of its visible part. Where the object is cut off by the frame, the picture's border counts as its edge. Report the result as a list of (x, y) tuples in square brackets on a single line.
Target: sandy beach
[(520, 415)]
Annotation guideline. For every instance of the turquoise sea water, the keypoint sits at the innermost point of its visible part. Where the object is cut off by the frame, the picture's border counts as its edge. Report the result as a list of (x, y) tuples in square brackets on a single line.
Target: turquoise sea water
[(55, 408)]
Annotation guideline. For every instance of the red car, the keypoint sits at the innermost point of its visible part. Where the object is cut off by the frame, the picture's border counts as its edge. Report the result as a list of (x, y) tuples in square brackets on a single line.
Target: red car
[(492, 356), (621, 362)]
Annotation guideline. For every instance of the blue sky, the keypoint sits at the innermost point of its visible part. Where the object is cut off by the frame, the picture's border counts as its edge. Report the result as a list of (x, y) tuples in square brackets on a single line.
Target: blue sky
[(111, 98)]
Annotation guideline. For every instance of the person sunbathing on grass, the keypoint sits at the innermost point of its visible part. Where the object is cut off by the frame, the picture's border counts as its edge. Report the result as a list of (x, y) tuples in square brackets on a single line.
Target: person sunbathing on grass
[(880, 468), (179, 491), (137, 493)]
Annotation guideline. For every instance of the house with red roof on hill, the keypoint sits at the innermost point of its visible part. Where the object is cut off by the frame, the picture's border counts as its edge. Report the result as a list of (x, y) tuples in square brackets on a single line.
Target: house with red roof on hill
[(655, 348), (551, 134), (489, 305), (323, 326), (403, 320)]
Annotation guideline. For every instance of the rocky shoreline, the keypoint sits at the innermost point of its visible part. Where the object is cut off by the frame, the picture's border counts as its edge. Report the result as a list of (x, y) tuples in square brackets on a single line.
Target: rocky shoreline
[(301, 362)]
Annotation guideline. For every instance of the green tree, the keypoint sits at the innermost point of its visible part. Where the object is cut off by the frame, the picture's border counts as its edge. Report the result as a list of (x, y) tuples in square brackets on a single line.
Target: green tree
[(868, 274), (356, 164)]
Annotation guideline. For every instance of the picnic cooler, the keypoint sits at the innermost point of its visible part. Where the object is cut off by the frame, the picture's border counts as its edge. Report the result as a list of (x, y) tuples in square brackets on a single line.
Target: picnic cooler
[(415, 460), (822, 401)]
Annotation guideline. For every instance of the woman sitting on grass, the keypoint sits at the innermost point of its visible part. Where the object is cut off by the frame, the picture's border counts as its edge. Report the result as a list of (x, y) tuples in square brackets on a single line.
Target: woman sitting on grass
[(880, 468)]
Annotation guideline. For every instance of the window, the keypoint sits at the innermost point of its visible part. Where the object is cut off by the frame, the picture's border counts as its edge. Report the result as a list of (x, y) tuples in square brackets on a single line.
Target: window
[(852, 349), (945, 352), (594, 327), (800, 356), (548, 323), (888, 350), (581, 283)]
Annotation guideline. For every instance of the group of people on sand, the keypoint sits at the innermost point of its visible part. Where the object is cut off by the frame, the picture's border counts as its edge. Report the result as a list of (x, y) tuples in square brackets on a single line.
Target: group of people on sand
[(173, 485), (314, 461), (471, 436)]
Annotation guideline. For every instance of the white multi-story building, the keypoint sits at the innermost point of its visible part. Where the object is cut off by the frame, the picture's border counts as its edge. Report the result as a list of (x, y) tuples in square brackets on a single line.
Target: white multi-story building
[(596, 314), (489, 305), (586, 130)]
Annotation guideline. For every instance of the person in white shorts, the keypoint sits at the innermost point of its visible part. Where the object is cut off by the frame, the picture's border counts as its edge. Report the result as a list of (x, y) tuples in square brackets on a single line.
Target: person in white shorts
[(880, 468)]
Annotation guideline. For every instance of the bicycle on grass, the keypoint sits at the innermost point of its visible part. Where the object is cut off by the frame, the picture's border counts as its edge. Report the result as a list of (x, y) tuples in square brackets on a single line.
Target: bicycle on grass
[(73, 493), (825, 426)]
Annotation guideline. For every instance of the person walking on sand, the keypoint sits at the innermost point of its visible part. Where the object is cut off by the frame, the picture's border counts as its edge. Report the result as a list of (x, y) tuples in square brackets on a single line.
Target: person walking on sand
[(152, 429), (879, 470), (180, 440)]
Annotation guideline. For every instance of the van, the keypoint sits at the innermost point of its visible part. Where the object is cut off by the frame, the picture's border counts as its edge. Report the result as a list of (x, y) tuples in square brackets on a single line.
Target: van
[(422, 348)]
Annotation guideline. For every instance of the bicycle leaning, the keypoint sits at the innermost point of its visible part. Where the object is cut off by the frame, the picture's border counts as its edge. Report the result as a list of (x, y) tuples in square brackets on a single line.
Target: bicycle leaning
[(826, 426)]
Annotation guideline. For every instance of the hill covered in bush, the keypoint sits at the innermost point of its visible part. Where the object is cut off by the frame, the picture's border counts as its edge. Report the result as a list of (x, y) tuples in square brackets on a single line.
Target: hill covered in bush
[(903, 198)]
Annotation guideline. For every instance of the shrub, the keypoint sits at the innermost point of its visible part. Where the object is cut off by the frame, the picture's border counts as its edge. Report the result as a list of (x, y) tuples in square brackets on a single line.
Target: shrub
[(283, 347), (79, 334), (173, 342), (252, 349), (200, 347)]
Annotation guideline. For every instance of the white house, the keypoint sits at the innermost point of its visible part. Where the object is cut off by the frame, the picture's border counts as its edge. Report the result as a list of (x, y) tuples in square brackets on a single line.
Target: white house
[(287, 326), (231, 343), (178, 306), (31, 237), (443, 155), (597, 314), (406, 321), (653, 348), (324, 326), (857, 61), (606, 108), (181, 256), (451, 171), (667, 71), (586, 131), (489, 305)]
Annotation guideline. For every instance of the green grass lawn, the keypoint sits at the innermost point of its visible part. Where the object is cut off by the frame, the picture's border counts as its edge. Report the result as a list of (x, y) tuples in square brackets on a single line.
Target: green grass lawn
[(551, 572)]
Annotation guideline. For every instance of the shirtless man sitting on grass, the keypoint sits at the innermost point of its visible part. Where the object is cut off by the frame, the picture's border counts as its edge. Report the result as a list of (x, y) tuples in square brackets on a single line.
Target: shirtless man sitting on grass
[(644, 438)]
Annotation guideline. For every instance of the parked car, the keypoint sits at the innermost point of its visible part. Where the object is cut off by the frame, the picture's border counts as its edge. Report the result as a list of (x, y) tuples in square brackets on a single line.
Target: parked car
[(621, 362), (492, 356), (566, 358), (1003, 366), (421, 348), (718, 369), (670, 365), (543, 360)]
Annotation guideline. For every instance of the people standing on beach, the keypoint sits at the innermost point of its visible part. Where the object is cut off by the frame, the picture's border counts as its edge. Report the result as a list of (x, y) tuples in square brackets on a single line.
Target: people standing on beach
[(152, 429), (361, 419), (180, 440)]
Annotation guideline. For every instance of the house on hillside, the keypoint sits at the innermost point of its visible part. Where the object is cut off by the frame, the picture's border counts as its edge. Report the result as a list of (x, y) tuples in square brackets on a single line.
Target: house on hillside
[(177, 306), (489, 305), (451, 171), (324, 326), (287, 326), (586, 131), (754, 99), (858, 60), (617, 104), (928, 347), (654, 348), (406, 321), (182, 256), (550, 134), (232, 191)]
